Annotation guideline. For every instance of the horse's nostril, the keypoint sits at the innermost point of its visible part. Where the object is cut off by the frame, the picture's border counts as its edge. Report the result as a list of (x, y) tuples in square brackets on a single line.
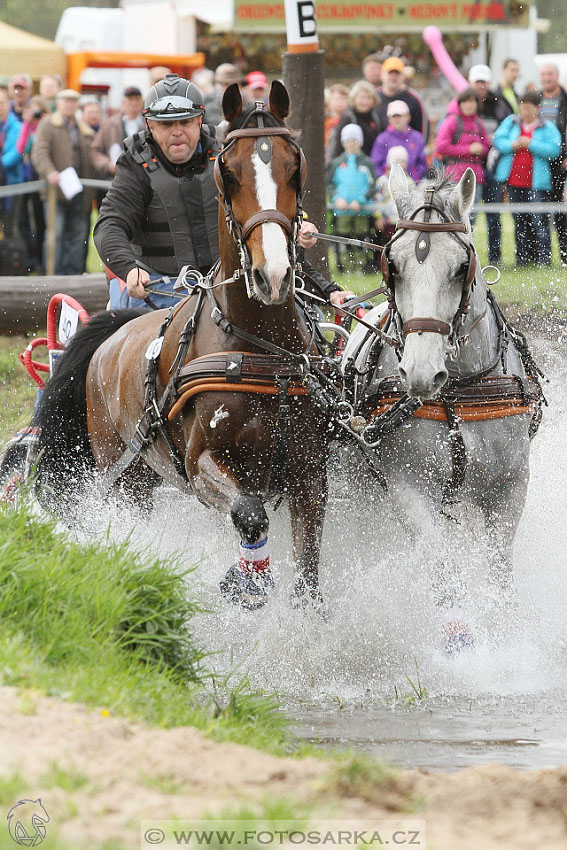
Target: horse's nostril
[(261, 281), (440, 378), (402, 372)]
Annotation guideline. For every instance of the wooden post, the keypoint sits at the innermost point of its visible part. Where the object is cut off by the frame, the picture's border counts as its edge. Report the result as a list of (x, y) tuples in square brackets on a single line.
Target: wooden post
[(304, 75), (50, 227)]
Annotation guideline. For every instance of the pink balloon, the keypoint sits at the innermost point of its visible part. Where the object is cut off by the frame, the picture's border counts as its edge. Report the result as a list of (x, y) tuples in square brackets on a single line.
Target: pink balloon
[(433, 38)]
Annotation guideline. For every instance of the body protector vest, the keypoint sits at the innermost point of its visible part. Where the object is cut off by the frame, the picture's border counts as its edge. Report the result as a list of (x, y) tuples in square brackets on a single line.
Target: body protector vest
[(180, 224)]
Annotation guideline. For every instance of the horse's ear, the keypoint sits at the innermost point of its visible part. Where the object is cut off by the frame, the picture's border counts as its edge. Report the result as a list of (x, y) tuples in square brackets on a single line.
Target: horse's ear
[(232, 102), (463, 193), (279, 100), (398, 184)]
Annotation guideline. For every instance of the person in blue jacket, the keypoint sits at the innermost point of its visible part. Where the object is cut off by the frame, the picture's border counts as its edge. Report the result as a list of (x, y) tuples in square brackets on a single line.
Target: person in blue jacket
[(11, 161), (527, 144), (351, 180)]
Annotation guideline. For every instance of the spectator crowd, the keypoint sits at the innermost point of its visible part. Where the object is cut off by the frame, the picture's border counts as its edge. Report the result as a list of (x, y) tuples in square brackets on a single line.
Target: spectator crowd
[(515, 142)]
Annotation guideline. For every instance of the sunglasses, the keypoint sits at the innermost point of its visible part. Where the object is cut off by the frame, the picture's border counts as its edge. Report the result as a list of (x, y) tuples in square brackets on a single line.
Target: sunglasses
[(173, 105)]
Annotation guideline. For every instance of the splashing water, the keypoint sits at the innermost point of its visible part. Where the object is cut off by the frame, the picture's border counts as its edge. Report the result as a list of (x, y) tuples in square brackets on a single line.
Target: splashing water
[(505, 699)]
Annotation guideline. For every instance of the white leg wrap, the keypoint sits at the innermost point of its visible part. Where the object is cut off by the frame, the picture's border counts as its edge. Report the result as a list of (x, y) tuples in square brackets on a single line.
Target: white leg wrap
[(254, 557)]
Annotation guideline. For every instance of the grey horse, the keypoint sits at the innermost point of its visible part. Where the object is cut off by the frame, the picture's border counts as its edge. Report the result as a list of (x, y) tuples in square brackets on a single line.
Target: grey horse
[(445, 339)]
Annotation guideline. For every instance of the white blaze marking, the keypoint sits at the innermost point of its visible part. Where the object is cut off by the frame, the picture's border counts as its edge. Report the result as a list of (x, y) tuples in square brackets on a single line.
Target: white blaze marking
[(274, 243)]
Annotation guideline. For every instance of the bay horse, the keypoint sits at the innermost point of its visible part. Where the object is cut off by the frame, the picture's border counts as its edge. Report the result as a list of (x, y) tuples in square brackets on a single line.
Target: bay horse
[(446, 386), (211, 396)]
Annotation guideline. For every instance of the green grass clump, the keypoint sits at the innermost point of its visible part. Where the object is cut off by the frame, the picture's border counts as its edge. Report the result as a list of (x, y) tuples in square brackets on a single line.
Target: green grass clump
[(18, 390), (103, 626), (78, 600)]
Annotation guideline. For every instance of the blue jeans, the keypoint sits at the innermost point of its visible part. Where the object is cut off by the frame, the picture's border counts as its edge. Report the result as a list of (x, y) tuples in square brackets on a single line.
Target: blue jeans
[(530, 227), (492, 193), (70, 236)]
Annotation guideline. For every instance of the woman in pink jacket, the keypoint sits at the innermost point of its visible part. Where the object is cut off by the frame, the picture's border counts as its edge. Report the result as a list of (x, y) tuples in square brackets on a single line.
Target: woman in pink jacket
[(462, 140)]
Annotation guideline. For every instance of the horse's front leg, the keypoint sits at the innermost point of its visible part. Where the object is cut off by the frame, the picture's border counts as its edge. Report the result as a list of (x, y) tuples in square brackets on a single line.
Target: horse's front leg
[(249, 581), (307, 503)]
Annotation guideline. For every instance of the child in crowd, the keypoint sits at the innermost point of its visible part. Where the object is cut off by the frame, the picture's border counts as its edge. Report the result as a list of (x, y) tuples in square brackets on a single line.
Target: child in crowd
[(351, 179), (386, 214), (400, 134)]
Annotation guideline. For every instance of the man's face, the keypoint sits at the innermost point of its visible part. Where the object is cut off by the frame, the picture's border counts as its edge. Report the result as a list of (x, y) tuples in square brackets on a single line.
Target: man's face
[(511, 73), (549, 78), (177, 140), (21, 95), (92, 114), (373, 73), (67, 106), (132, 106), (481, 88), (394, 80), (48, 87), (259, 93)]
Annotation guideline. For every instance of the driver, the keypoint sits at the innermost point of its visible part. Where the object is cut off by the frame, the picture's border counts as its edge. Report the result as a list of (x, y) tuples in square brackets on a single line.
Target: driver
[(161, 211)]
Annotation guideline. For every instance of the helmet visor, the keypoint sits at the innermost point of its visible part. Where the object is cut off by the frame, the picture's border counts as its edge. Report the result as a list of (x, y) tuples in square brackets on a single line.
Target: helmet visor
[(173, 108)]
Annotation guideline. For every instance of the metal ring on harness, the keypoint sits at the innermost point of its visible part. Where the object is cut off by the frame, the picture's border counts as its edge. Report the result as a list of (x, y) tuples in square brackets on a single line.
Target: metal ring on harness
[(496, 269)]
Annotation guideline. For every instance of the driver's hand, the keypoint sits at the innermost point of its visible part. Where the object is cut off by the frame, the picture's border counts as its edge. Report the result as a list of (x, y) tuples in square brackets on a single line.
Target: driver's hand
[(304, 240), (135, 280), (339, 296)]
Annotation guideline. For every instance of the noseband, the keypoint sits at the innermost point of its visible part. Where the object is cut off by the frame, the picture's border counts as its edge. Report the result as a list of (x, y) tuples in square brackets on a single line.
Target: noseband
[(264, 149), (422, 248)]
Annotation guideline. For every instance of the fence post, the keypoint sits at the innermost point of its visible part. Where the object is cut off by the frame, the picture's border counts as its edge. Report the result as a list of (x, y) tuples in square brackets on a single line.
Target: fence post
[(50, 226)]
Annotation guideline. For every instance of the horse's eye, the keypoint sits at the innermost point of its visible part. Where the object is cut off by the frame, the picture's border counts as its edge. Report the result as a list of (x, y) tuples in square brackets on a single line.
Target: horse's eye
[(230, 180), (462, 270), (294, 180)]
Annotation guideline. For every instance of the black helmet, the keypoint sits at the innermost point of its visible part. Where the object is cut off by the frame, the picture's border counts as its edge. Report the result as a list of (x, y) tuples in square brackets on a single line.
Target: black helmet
[(173, 99)]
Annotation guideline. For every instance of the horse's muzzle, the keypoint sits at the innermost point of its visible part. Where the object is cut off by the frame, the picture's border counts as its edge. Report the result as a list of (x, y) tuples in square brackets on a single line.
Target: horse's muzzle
[(271, 287)]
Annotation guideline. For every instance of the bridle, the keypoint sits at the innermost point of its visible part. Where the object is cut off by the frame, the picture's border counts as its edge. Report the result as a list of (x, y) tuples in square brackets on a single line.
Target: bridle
[(264, 149), (454, 330)]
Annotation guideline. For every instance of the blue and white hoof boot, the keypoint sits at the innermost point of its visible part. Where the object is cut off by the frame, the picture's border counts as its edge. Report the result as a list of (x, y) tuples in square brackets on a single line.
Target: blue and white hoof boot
[(458, 637), (248, 590)]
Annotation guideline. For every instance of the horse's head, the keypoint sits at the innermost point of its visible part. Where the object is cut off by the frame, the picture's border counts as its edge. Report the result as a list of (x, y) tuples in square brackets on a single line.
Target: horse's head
[(429, 267), (260, 174)]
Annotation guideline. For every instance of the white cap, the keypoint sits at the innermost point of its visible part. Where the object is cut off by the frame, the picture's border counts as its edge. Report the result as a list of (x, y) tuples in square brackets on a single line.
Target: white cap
[(397, 154), (480, 74), (352, 133)]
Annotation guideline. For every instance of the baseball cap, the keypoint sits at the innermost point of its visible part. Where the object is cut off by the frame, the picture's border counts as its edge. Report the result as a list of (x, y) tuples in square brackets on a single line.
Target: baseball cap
[(68, 94), (132, 91), (393, 63), (20, 80), (397, 107), (226, 74), (480, 74), (257, 80), (352, 133)]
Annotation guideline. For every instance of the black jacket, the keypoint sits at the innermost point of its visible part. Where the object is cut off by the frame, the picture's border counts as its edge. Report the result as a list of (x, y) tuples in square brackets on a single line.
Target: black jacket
[(370, 123), (493, 110), (157, 214)]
